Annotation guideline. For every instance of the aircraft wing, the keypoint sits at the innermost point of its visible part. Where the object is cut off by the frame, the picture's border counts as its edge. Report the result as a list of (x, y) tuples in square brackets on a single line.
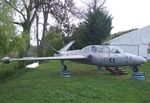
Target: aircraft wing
[(69, 57)]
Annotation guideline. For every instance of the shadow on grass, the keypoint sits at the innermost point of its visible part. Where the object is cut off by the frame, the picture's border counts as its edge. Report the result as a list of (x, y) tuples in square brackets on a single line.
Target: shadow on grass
[(16, 74)]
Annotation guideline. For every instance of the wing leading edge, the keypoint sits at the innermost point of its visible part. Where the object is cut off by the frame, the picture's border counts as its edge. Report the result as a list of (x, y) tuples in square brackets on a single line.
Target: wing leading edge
[(71, 57)]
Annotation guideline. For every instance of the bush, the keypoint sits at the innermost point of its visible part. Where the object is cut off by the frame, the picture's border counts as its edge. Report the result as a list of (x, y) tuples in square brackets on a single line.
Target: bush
[(7, 70)]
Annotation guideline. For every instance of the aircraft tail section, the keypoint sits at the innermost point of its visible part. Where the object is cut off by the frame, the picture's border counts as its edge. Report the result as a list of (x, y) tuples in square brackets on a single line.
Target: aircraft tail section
[(49, 47), (65, 48)]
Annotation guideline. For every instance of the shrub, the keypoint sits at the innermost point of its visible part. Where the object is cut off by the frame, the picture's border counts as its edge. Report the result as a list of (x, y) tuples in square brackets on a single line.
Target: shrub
[(7, 70)]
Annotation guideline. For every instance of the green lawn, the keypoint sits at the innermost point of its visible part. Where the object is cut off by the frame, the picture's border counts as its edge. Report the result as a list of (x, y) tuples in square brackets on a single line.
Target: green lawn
[(7, 70), (86, 85)]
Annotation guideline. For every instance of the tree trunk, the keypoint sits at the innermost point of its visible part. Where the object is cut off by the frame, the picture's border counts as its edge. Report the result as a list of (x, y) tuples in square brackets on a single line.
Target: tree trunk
[(37, 35), (45, 15), (26, 35)]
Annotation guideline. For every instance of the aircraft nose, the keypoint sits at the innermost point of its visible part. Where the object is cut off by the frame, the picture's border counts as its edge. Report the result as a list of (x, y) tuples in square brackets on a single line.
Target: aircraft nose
[(139, 60), (142, 60)]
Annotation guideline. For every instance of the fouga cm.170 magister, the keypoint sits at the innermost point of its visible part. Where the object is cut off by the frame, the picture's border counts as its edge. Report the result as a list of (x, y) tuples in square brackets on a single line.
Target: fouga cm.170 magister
[(99, 55)]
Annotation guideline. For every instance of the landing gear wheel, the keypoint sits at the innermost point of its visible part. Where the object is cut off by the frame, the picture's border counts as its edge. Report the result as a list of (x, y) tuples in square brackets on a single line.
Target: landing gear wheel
[(136, 75), (64, 71)]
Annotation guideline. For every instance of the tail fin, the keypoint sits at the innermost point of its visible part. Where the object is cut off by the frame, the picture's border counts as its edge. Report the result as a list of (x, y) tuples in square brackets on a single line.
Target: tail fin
[(49, 47), (65, 48)]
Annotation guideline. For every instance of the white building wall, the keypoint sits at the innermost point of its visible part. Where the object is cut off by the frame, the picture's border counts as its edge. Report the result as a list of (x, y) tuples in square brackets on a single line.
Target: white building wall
[(136, 42), (133, 49), (140, 50), (143, 50)]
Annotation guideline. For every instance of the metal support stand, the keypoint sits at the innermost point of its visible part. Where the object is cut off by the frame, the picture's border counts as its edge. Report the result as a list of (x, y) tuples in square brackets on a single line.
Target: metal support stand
[(64, 72), (101, 68), (136, 75)]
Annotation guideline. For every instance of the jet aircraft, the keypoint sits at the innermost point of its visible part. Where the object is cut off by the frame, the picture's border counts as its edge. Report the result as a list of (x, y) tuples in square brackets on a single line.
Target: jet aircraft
[(99, 55)]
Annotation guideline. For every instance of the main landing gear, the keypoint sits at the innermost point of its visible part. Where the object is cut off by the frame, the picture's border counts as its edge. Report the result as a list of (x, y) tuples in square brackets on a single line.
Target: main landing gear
[(135, 69), (64, 70), (136, 75)]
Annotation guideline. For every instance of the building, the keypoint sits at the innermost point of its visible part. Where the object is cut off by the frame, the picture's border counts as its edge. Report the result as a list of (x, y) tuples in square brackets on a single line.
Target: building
[(135, 42)]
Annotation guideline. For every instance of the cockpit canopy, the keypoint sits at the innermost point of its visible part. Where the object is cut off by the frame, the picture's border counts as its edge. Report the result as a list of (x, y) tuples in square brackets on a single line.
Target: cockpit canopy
[(102, 49)]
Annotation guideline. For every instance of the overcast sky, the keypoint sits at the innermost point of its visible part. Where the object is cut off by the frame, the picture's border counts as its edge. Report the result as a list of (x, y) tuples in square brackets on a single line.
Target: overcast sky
[(127, 14)]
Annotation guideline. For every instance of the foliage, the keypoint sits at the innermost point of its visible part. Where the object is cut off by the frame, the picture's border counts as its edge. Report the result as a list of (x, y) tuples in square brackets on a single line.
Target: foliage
[(55, 39), (25, 12), (78, 36), (98, 26), (6, 70), (29, 10), (9, 41), (94, 30), (86, 85), (62, 11)]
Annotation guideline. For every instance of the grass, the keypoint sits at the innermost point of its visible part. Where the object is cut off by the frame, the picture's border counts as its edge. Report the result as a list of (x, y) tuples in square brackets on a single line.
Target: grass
[(86, 85), (7, 70)]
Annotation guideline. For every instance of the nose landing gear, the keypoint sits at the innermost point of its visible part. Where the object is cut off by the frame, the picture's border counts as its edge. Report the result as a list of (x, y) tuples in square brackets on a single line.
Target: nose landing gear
[(136, 75)]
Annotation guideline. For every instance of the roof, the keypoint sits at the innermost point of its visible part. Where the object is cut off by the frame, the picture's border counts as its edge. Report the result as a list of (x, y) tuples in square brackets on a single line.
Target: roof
[(137, 37)]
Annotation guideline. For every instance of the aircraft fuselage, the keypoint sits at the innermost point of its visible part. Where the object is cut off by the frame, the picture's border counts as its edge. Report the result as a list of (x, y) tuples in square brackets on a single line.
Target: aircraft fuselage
[(107, 59)]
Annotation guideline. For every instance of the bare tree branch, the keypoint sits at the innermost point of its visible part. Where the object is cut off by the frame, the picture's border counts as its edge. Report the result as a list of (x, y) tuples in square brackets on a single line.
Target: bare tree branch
[(94, 4), (18, 23), (25, 5), (102, 3), (15, 9), (33, 17)]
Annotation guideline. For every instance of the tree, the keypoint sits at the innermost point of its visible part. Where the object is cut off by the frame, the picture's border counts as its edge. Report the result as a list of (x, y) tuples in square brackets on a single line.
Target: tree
[(54, 39), (61, 11), (94, 4), (95, 28), (78, 36), (26, 11), (9, 41), (98, 26)]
